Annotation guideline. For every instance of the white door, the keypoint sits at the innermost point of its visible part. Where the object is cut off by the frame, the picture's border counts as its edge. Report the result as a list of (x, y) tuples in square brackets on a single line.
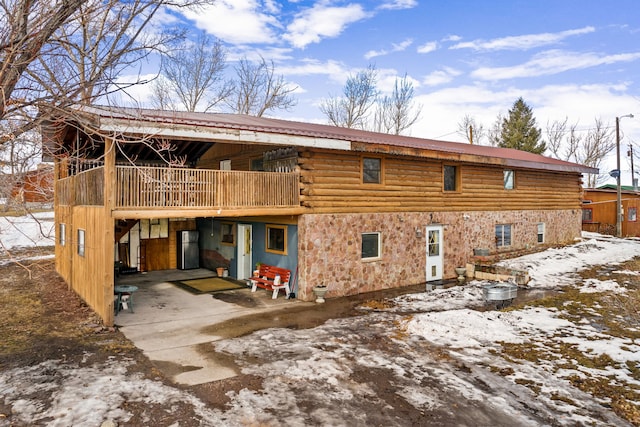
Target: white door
[(245, 265), (434, 252)]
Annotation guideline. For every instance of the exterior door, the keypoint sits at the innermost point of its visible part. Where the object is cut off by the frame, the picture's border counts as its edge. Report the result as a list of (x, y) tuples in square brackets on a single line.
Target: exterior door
[(434, 253), (245, 262)]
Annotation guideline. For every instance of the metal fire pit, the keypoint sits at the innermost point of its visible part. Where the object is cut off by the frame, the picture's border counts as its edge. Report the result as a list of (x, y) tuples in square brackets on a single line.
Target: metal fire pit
[(500, 293)]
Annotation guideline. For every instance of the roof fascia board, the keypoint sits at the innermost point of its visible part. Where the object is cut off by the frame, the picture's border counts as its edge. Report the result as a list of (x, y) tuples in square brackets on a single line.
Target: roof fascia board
[(198, 133)]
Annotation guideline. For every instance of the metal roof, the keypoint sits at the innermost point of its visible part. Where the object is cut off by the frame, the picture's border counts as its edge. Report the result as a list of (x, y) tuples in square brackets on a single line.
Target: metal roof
[(209, 125)]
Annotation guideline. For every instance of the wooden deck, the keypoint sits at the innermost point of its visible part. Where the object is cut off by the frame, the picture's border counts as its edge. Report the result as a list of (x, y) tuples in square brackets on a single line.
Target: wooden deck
[(175, 190)]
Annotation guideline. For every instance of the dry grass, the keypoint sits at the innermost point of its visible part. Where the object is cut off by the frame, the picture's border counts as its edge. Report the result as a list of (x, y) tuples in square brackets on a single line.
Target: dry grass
[(614, 314)]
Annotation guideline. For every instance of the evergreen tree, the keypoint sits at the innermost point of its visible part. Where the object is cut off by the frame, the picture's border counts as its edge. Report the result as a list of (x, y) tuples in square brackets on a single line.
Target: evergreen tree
[(519, 130)]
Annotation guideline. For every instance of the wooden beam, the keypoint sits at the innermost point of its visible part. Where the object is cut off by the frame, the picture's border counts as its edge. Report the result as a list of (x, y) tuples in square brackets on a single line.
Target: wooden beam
[(205, 212)]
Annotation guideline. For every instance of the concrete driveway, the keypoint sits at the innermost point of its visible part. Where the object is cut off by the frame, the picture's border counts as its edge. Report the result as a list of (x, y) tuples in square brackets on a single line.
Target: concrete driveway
[(173, 327)]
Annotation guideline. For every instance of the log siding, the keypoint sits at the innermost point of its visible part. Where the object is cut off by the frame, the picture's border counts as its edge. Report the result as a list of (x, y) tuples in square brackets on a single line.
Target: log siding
[(331, 182)]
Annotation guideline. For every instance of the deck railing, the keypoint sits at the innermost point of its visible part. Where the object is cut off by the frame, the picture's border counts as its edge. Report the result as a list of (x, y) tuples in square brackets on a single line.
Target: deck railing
[(85, 188), (156, 187)]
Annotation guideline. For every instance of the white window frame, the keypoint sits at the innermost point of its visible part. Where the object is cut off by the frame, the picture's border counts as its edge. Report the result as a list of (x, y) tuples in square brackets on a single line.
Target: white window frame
[(379, 254), (541, 232), (509, 179), (500, 235)]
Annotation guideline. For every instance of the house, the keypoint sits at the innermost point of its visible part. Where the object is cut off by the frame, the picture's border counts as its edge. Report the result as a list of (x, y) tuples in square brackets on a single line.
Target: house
[(34, 186), (353, 210), (599, 210)]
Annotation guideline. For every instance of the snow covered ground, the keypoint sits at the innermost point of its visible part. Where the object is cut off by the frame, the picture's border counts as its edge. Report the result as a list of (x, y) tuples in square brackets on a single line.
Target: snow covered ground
[(445, 348)]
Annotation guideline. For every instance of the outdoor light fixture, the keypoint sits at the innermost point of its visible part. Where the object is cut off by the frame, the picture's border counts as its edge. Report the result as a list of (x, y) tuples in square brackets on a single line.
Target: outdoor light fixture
[(619, 217)]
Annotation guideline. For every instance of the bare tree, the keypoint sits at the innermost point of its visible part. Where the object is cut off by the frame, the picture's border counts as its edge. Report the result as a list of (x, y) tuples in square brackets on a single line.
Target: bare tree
[(194, 74), (590, 150), (494, 133), (63, 52), (359, 95), (398, 112), (258, 90), (473, 131)]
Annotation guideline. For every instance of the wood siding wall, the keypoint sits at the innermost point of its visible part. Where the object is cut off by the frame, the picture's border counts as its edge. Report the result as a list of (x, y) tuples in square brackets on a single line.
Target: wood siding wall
[(332, 183), (603, 211)]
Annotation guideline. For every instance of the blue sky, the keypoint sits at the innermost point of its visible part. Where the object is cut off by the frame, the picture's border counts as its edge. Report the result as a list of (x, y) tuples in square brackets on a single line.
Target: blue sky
[(575, 59)]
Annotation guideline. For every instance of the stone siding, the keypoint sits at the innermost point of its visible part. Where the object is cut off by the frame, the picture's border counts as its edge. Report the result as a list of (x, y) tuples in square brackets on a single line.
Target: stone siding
[(329, 245)]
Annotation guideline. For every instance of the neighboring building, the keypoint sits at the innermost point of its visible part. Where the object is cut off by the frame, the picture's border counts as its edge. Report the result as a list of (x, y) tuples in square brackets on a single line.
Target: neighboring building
[(599, 210), (34, 186), (354, 210)]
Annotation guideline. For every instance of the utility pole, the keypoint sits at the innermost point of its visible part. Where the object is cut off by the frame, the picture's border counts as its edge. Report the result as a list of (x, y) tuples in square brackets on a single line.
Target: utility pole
[(634, 183), (470, 134)]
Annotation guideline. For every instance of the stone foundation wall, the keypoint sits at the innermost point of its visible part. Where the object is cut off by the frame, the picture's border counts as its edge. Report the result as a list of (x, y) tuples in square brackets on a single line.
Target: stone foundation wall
[(329, 245)]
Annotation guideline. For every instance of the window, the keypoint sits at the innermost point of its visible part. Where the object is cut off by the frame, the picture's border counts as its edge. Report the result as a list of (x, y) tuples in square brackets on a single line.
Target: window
[(277, 239), (370, 246), (257, 164), (541, 232), (371, 170), (227, 233), (225, 165), (62, 234), (587, 215), (80, 242), (632, 214), (509, 178), (503, 235), (450, 178)]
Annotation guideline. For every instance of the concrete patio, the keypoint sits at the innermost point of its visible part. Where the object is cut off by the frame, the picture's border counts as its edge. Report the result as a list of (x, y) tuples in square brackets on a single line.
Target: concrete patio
[(168, 323)]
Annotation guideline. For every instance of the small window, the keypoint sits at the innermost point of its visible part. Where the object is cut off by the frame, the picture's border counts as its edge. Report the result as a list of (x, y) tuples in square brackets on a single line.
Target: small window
[(541, 232), (277, 239), (370, 246), (587, 215), (509, 178), (62, 234), (225, 165), (503, 235), (227, 233), (80, 242), (450, 178), (632, 214), (371, 170), (257, 164)]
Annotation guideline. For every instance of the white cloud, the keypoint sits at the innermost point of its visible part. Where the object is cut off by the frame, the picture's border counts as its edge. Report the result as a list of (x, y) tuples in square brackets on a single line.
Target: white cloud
[(523, 42), (237, 21), (443, 109), (395, 47), (313, 24), (445, 75), (452, 38), (334, 69), (552, 62), (428, 47), (398, 4)]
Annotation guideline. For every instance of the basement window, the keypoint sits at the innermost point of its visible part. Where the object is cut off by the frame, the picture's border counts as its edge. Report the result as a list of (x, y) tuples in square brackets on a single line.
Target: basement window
[(541, 232), (370, 246), (227, 233), (503, 235), (277, 239)]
